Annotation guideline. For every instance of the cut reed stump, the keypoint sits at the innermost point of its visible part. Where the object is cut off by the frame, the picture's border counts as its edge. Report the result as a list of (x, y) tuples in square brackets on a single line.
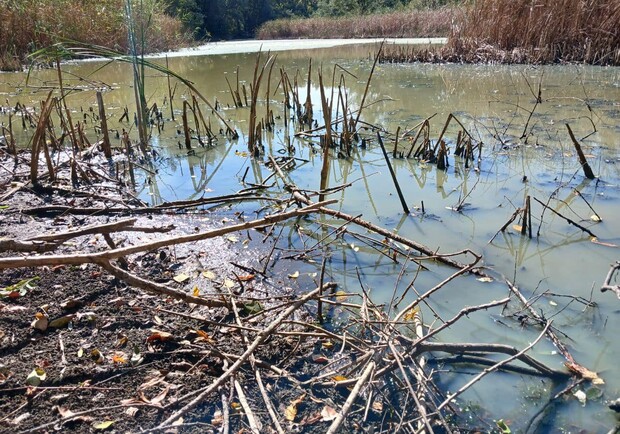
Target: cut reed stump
[(587, 170)]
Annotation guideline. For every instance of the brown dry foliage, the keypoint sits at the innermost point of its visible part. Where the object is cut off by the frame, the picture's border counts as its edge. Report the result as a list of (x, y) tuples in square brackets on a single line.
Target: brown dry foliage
[(28, 25), (529, 31), (424, 23)]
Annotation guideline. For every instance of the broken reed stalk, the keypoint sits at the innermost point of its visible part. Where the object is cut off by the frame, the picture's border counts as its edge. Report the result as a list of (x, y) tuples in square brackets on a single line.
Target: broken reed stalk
[(403, 202), (569, 221), (38, 140), (254, 129), (170, 93), (372, 71), (269, 121), (587, 170), (107, 151), (395, 151), (424, 126), (188, 137), (526, 225), (308, 114), (327, 142)]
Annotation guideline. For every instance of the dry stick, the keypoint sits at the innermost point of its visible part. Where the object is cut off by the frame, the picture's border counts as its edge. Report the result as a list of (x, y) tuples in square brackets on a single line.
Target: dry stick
[(587, 203), (444, 259), (158, 288), (562, 392), (493, 368), (418, 402), (403, 202), (607, 286), (83, 258), (476, 348), (570, 361), (119, 226), (351, 399), (251, 419), (255, 426), (587, 170), (372, 70), (107, 151), (244, 357), (510, 220), (569, 221)]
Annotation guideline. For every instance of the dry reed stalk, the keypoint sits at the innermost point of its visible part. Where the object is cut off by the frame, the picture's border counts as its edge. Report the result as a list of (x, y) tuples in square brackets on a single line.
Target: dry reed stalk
[(587, 170), (254, 129), (327, 142), (186, 134), (38, 140), (107, 151)]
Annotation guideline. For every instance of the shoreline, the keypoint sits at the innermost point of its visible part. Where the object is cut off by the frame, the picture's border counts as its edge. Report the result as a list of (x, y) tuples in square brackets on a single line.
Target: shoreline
[(256, 45)]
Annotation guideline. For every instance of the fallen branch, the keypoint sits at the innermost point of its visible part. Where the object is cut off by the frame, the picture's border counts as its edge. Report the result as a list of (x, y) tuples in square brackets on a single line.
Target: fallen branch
[(102, 257), (518, 355), (607, 286)]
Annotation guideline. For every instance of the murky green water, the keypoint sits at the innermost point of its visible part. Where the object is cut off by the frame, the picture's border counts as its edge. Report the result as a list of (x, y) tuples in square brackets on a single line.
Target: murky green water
[(494, 104)]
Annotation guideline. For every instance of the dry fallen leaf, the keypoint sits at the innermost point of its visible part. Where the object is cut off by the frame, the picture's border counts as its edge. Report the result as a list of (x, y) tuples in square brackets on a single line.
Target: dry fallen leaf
[(328, 414), (119, 358), (180, 278), (158, 335), (208, 274), (63, 321), (411, 313), (291, 411), (103, 425), (246, 278), (217, 419), (132, 411), (377, 406)]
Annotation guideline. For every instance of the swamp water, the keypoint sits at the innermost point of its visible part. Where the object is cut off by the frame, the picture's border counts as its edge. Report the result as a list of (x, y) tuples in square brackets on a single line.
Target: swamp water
[(523, 153)]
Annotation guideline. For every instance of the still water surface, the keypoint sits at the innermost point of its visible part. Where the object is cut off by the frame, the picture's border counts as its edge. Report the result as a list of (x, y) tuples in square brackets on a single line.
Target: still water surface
[(494, 103)]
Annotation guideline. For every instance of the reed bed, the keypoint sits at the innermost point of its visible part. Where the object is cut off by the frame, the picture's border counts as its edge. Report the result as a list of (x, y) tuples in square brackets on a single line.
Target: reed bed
[(528, 31), (28, 25), (416, 23)]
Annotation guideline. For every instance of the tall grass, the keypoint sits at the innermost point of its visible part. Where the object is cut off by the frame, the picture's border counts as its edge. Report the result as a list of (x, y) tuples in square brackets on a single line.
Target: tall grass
[(27, 25), (405, 24), (529, 31)]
